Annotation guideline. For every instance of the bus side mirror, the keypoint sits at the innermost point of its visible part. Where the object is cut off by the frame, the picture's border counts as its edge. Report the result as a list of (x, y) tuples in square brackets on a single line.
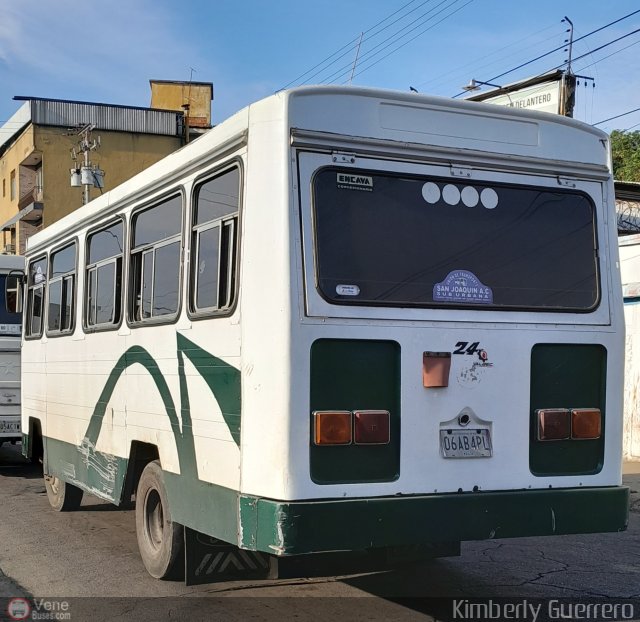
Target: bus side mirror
[(13, 290)]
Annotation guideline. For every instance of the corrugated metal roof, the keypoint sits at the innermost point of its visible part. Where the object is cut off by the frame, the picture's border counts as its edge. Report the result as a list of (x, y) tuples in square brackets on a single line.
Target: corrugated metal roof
[(106, 117)]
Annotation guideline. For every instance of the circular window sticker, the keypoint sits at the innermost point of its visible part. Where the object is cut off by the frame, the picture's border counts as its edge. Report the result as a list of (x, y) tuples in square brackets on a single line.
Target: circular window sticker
[(470, 196), (431, 192), (451, 194), (489, 198)]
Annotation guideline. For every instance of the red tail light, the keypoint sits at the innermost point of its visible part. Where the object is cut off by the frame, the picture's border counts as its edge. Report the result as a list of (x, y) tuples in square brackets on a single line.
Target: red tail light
[(371, 427), (554, 424)]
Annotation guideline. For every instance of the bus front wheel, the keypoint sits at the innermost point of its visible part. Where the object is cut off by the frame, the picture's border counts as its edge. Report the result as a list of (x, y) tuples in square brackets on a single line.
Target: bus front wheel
[(160, 540), (62, 496)]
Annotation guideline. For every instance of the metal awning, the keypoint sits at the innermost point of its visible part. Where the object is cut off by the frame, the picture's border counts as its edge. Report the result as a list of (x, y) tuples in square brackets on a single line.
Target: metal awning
[(21, 214)]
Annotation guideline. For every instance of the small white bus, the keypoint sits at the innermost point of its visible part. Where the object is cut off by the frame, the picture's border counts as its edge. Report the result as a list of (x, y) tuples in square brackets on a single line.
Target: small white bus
[(11, 274), (344, 319)]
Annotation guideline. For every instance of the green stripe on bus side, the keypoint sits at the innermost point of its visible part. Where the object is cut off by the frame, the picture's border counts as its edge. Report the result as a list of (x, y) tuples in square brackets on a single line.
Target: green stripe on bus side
[(222, 379), (104, 474)]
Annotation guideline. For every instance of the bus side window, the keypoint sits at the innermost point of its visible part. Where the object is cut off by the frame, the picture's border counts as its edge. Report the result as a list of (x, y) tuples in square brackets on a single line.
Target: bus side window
[(154, 291), (214, 235), (103, 294), (37, 279), (62, 280)]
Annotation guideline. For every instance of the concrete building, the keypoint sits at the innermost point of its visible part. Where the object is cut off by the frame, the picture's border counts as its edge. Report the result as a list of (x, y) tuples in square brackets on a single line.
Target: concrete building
[(36, 144), (194, 98)]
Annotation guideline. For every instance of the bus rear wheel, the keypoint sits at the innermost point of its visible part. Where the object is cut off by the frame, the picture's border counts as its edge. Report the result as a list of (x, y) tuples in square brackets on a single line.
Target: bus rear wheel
[(62, 496), (160, 540)]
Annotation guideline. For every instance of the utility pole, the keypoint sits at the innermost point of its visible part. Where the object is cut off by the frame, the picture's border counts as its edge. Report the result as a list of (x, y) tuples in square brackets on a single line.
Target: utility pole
[(87, 175)]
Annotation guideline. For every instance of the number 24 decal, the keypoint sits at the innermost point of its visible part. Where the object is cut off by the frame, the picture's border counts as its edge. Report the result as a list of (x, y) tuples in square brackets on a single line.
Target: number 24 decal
[(461, 348), (464, 347)]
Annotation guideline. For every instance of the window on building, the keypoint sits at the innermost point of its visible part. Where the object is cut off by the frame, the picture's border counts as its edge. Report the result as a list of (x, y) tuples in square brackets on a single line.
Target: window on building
[(214, 235), (103, 294), (61, 290), (4, 188), (39, 181), (155, 261), (37, 279), (12, 186)]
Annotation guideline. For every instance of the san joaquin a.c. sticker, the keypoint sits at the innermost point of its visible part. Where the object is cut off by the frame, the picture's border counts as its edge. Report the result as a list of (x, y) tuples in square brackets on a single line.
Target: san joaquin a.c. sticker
[(462, 286)]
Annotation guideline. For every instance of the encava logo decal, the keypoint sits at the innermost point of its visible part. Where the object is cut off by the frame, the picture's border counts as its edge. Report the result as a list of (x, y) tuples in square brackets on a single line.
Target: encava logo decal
[(355, 182)]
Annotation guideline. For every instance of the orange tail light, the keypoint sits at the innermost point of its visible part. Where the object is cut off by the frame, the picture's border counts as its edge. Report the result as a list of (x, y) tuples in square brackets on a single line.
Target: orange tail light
[(332, 427), (586, 423)]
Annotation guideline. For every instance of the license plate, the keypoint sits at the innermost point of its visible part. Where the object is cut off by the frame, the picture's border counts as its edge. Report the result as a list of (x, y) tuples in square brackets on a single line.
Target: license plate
[(9, 426), (470, 443)]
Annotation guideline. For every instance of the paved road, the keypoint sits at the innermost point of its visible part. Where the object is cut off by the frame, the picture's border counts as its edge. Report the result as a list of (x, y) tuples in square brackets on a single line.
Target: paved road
[(93, 553)]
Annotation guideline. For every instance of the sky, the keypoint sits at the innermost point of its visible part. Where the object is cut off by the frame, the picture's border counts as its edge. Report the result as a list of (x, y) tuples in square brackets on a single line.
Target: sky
[(108, 51)]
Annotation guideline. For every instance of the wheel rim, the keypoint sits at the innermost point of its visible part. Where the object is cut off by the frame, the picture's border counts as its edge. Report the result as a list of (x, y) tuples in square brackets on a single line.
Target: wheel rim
[(53, 483), (154, 519)]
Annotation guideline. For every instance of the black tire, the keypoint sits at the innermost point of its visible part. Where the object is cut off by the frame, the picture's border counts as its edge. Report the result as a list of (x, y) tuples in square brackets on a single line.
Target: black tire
[(160, 540), (63, 497)]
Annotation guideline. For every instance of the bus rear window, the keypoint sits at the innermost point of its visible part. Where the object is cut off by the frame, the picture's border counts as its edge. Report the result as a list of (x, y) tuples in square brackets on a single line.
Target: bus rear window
[(384, 239)]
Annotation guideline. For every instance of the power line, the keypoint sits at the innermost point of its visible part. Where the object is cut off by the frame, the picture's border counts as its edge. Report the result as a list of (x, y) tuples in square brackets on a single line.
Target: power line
[(418, 35), (633, 32), (560, 48), (354, 41), (466, 67), (336, 75), (624, 114), (609, 55)]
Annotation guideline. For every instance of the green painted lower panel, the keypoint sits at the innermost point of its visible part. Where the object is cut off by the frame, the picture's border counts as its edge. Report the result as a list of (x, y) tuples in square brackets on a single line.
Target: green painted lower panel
[(300, 527), (96, 472), (204, 507), (314, 526)]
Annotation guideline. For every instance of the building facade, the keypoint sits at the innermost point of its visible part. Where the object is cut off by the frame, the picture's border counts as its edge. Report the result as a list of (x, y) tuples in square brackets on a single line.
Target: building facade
[(36, 155)]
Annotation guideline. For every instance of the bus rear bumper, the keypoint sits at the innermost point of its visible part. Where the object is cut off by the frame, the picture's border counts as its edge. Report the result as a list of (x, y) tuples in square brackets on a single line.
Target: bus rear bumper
[(301, 527)]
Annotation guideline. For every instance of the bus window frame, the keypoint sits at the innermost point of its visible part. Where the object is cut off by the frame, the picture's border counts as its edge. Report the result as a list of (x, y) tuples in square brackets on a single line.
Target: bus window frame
[(74, 241), (233, 272), (129, 302), (28, 335), (447, 306), (103, 327)]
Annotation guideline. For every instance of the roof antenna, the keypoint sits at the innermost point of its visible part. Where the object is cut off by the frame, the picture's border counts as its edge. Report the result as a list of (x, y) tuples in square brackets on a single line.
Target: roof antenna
[(355, 62)]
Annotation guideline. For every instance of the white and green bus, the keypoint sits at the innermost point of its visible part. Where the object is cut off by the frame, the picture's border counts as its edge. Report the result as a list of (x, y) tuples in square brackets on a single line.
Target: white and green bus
[(344, 319)]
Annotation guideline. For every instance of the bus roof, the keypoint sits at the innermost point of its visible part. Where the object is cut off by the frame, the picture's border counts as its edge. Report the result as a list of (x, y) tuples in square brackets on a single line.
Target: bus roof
[(398, 117)]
